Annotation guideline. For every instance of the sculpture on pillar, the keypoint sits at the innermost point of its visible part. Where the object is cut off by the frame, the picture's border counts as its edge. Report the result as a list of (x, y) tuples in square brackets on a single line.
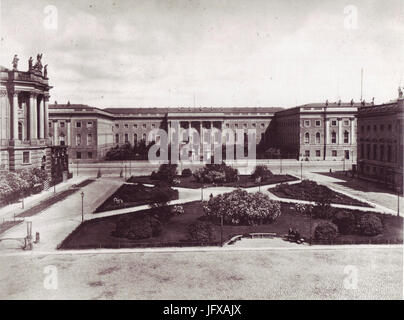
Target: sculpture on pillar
[(30, 61), (15, 62)]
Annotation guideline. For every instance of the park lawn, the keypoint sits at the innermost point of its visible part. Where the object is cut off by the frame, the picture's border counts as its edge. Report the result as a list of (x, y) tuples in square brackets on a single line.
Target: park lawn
[(299, 192), (96, 233), (132, 195), (245, 181)]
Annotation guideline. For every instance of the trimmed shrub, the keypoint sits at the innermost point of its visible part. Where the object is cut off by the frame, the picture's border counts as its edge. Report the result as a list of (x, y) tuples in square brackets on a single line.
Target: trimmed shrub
[(345, 221), (216, 173), (200, 231), (241, 207), (325, 231), (261, 171), (186, 172), (167, 172), (370, 225)]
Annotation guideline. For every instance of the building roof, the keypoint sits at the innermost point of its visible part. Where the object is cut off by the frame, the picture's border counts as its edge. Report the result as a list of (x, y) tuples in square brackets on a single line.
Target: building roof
[(192, 110), (151, 111), (391, 107)]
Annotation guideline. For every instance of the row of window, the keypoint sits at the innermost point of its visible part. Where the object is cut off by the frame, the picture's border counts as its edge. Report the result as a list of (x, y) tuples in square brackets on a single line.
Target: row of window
[(334, 153), (334, 123), (78, 124), (89, 139), (333, 137), (377, 152), (79, 155), (376, 128)]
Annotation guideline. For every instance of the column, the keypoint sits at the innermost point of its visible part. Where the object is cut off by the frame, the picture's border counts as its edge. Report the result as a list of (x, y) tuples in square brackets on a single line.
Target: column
[(353, 133), (15, 115), (32, 116), (169, 132), (55, 133), (46, 116), (68, 138), (41, 118), (327, 131), (340, 140)]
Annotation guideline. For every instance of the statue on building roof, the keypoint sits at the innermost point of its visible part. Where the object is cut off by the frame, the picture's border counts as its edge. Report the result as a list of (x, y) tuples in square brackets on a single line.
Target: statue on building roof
[(30, 61), (352, 102), (15, 62), (38, 64), (45, 71), (400, 93)]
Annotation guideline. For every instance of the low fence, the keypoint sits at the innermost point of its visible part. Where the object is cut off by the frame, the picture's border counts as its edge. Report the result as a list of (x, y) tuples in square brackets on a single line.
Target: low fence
[(126, 245)]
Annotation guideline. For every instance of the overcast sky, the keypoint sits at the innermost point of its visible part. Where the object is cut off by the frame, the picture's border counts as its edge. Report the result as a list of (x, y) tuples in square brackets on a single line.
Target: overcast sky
[(218, 53)]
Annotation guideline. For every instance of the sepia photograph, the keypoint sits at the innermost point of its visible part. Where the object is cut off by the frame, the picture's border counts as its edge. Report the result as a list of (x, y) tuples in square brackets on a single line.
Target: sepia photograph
[(201, 153)]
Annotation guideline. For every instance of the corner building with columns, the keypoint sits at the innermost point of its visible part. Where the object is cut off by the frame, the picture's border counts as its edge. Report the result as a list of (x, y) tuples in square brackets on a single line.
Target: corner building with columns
[(318, 131), (24, 135)]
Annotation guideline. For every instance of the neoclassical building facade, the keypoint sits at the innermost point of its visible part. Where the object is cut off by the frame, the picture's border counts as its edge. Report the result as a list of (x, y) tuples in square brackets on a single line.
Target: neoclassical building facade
[(24, 136), (380, 143), (90, 132), (318, 131)]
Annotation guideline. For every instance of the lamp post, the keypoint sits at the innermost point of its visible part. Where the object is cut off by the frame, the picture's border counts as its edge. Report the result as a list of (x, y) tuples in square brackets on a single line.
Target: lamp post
[(301, 170), (82, 206), (202, 191), (280, 159), (221, 230), (398, 201)]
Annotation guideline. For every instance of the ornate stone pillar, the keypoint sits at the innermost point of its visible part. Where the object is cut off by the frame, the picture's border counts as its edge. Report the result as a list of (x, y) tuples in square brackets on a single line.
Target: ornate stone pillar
[(41, 119), (32, 116), (68, 140), (46, 116), (15, 116)]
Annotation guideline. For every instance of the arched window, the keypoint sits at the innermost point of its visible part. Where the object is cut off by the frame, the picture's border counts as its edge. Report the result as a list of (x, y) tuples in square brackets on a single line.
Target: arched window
[(346, 137), (20, 130), (318, 137), (307, 138), (117, 138), (144, 137), (333, 137), (135, 138)]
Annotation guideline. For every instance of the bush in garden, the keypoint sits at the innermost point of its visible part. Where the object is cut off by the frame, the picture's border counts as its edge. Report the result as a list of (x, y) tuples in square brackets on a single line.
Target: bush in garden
[(177, 210), (167, 172), (261, 171), (345, 221), (325, 231), (217, 173), (241, 207), (200, 231), (303, 209), (141, 227), (154, 175), (186, 172), (370, 225), (161, 195)]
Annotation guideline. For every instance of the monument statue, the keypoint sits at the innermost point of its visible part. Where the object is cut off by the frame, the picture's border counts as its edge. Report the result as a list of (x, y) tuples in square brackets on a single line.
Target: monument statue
[(30, 61), (400, 92), (38, 64), (45, 71), (15, 63)]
